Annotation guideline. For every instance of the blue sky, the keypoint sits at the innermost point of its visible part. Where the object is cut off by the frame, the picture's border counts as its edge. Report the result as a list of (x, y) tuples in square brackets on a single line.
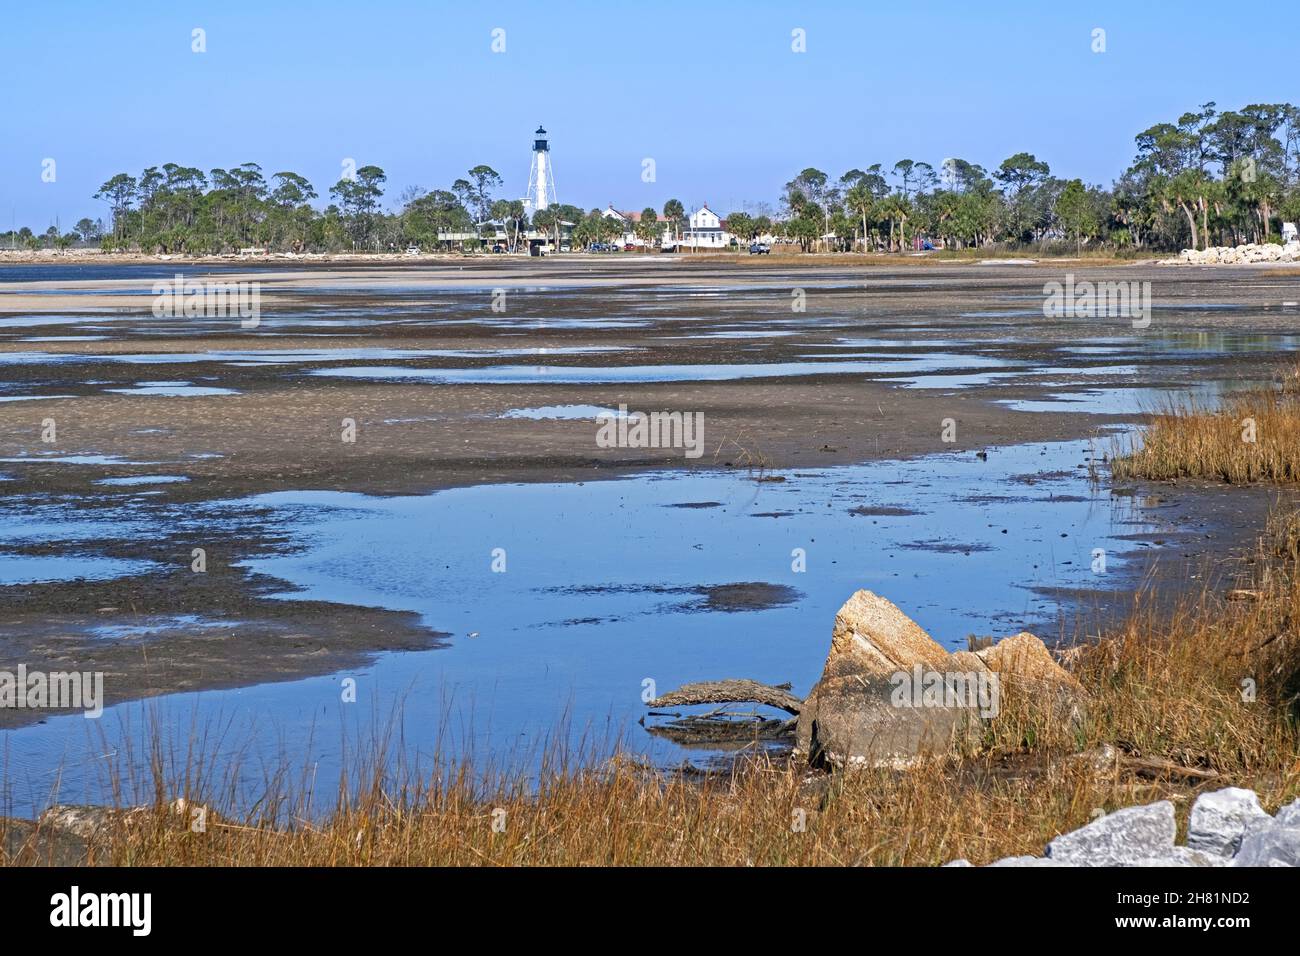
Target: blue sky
[(710, 90)]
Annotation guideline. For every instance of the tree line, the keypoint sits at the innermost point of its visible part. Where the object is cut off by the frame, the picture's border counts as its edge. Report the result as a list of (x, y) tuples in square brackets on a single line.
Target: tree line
[(1208, 178)]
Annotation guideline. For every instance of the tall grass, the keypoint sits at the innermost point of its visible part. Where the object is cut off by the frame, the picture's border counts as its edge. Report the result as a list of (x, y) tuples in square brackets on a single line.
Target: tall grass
[(1253, 437)]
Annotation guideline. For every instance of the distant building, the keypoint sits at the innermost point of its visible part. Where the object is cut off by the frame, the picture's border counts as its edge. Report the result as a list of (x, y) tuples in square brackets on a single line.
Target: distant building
[(706, 231), (541, 181)]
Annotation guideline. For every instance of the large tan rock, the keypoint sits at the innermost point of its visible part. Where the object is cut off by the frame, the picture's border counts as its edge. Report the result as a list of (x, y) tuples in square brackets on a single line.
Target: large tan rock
[(855, 721), (872, 636), (1023, 657), (864, 709), (852, 715)]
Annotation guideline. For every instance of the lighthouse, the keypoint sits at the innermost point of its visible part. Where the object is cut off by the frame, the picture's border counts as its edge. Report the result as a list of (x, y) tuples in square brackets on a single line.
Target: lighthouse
[(541, 184)]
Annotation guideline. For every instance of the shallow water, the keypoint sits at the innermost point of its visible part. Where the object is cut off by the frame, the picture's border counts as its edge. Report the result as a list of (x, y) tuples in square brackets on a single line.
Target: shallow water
[(560, 412), (574, 624), (588, 375)]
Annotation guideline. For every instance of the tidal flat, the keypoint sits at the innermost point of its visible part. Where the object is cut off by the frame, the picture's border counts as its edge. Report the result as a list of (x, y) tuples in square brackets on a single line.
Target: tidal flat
[(466, 553)]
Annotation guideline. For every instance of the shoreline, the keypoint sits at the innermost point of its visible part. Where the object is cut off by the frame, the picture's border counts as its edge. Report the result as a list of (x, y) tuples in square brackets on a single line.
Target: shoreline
[(417, 438)]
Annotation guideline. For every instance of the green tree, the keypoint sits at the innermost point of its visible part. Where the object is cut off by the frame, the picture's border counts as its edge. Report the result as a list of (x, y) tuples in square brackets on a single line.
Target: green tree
[(647, 227), (741, 225), (119, 192), (1020, 175), (359, 198), (1074, 208), (675, 213)]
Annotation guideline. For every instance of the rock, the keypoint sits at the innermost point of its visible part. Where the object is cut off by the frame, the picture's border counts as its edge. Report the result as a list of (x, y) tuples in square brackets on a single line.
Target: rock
[(1219, 820), (83, 821), (1179, 856), (855, 715), (1289, 816), (24, 843), (88, 821), (1182, 856), (1028, 861), (1144, 836), (1269, 844), (1246, 254), (853, 721), (1123, 838), (1102, 759), (1025, 658), (872, 636), (869, 707)]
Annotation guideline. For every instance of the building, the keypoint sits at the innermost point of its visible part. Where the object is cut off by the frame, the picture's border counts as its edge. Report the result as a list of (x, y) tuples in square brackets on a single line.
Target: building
[(541, 180), (706, 231)]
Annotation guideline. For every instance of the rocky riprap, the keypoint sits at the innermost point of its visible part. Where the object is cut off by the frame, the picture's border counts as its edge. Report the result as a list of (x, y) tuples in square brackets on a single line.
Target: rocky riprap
[(1237, 255), (1226, 828)]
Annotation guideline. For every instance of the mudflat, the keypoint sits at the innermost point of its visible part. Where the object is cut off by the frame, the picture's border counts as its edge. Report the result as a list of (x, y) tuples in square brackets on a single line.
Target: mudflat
[(402, 379)]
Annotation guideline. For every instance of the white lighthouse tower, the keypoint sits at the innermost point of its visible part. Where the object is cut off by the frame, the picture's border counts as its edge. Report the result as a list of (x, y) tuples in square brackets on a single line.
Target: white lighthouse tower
[(541, 184)]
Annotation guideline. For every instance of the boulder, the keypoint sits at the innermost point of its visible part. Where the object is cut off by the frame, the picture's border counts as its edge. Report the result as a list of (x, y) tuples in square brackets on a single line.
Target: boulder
[(1289, 816), (1222, 824), (1269, 844), (1023, 657), (864, 709), (1028, 861), (84, 821), (1247, 253), (1219, 820), (1182, 856), (1025, 666), (853, 715), (872, 636), (853, 721), (1126, 837)]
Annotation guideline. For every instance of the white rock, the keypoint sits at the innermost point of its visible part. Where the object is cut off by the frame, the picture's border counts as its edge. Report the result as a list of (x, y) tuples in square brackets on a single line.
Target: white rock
[(1269, 844), (1028, 861), (1219, 820), (1289, 816), (1182, 856), (1122, 838)]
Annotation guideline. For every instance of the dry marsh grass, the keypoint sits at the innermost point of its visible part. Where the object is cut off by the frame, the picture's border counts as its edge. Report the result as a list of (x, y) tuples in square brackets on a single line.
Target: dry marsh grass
[(1253, 437)]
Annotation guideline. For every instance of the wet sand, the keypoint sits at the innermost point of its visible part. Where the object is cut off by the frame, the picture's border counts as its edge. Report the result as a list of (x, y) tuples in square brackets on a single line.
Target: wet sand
[(430, 371)]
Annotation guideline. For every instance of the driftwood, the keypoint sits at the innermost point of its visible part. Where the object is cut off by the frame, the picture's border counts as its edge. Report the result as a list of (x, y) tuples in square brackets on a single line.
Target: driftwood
[(722, 726), (1151, 767), (732, 692)]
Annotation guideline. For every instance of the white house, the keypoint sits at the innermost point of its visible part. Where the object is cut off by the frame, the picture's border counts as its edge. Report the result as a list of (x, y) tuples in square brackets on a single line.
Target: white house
[(705, 231)]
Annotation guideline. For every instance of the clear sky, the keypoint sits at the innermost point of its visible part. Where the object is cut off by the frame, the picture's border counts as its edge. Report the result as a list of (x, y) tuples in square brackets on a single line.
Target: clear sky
[(710, 89)]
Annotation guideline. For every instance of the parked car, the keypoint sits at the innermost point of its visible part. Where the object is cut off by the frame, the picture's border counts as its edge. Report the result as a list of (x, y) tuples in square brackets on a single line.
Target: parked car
[(498, 248), (628, 247), (759, 249)]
